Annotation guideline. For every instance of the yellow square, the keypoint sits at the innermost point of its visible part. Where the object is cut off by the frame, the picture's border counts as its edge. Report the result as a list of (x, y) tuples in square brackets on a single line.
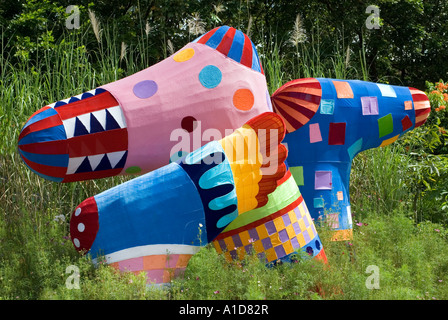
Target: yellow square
[(301, 240), (288, 247), (258, 246), (229, 243), (245, 237), (270, 254), (302, 225), (262, 232), (217, 247), (290, 231), (279, 224), (292, 216), (241, 252), (227, 256), (302, 210), (275, 239)]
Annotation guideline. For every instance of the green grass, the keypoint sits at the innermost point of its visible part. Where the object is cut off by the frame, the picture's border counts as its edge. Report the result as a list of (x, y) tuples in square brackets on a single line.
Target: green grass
[(35, 250)]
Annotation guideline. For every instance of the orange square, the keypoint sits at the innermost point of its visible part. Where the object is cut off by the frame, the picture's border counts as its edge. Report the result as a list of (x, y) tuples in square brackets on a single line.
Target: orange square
[(262, 232), (340, 195), (228, 256), (217, 247), (275, 239), (245, 237), (288, 247), (168, 274), (408, 105), (229, 243), (241, 252), (154, 262), (290, 231), (343, 89), (137, 273), (183, 260), (279, 224), (115, 265), (270, 254), (258, 246)]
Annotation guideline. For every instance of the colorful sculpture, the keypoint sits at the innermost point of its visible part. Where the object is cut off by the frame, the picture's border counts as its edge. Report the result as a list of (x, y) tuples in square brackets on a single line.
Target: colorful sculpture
[(156, 222), (157, 116), (129, 126), (163, 119), (328, 122)]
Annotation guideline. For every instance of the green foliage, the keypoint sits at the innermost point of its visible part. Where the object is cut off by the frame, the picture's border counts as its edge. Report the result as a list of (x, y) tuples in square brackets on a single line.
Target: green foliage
[(401, 51)]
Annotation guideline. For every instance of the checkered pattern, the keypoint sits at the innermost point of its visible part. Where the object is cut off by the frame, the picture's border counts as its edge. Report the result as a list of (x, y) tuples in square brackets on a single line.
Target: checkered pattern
[(158, 268), (273, 239)]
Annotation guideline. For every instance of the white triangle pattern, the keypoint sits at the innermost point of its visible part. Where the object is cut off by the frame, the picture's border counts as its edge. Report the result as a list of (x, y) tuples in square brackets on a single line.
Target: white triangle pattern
[(115, 157), (85, 119), (100, 115), (73, 164), (94, 160)]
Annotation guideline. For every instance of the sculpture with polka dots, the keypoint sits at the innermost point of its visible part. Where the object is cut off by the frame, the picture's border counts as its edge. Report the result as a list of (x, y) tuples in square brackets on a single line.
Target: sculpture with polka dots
[(128, 126)]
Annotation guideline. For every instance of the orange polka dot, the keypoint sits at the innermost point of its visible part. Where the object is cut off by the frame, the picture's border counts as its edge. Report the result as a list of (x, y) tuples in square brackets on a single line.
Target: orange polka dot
[(243, 99)]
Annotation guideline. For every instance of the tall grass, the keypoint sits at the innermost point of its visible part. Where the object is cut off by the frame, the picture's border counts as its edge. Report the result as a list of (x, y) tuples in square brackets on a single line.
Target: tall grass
[(35, 250)]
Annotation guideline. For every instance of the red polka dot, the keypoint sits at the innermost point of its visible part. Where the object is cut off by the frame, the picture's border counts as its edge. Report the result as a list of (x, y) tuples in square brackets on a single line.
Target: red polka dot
[(189, 123)]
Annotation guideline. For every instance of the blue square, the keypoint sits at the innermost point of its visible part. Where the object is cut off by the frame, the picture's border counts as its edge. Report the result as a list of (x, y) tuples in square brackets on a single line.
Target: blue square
[(355, 148), (318, 202), (327, 106)]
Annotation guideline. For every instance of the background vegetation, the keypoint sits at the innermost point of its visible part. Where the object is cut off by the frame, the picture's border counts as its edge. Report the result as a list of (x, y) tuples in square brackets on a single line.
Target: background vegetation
[(399, 193)]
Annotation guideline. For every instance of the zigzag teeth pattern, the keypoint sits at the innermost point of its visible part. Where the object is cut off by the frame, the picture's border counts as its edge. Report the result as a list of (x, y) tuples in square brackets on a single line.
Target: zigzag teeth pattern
[(82, 124), (118, 115), (78, 97), (96, 162), (69, 126), (115, 157), (85, 120), (73, 164), (100, 115)]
